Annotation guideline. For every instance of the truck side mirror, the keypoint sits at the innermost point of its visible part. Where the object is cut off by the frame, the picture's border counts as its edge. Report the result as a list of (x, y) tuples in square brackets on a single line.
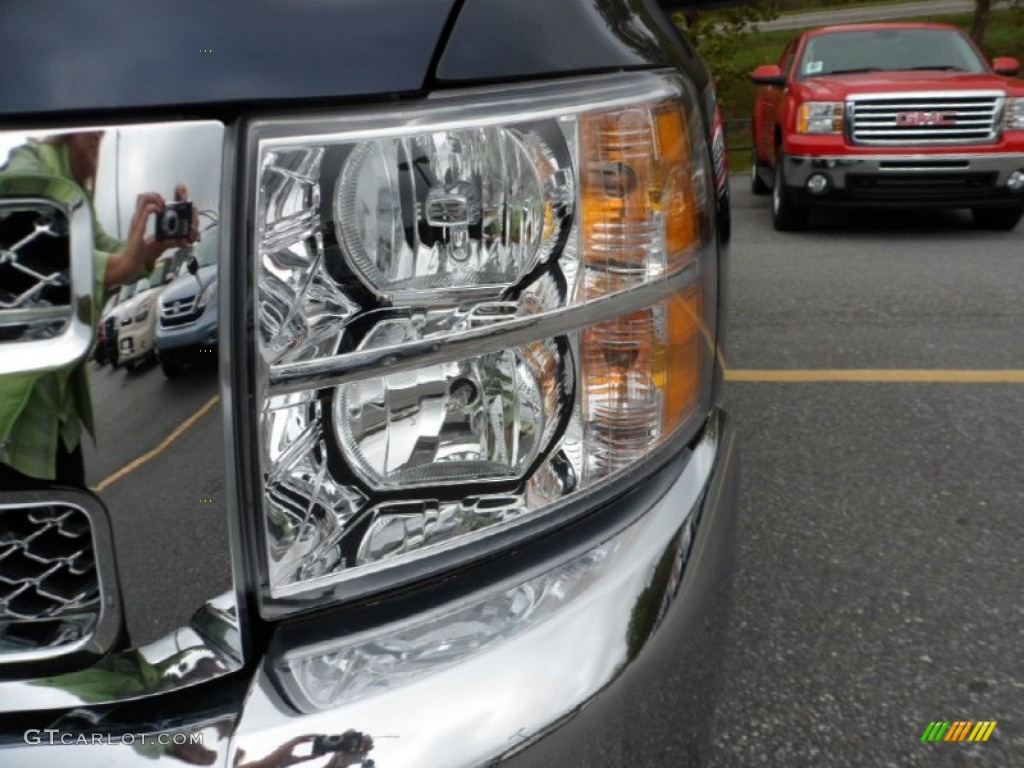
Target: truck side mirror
[(768, 74), (1006, 66)]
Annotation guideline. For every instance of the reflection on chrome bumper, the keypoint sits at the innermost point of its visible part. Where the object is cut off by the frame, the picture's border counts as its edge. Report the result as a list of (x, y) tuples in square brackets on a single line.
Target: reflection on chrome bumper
[(605, 657), (508, 672), (953, 178)]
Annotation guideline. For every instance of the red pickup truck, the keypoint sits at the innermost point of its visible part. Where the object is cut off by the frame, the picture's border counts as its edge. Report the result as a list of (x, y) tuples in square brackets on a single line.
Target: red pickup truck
[(907, 114)]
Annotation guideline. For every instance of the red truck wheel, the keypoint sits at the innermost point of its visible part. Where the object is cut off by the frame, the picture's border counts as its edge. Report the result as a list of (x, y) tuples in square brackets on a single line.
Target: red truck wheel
[(757, 183), (786, 216)]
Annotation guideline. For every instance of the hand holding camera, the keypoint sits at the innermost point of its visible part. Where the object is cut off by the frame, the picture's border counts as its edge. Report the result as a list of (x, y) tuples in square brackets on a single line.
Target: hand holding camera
[(177, 225), (351, 743), (174, 222)]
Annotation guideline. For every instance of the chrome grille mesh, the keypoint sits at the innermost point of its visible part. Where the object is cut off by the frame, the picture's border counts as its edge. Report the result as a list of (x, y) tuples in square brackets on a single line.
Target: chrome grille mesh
[(49, 584), (35, 295), (946, 117)]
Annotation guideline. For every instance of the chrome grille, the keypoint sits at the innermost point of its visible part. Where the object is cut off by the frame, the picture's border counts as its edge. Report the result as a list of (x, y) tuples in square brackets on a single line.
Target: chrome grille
[(35, 262), (178, 311), (56, 579), (49, 589), (946, 117)]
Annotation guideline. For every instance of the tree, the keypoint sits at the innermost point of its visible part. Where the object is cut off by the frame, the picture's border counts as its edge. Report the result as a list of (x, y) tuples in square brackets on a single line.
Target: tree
[(982, 11), (717, 35)]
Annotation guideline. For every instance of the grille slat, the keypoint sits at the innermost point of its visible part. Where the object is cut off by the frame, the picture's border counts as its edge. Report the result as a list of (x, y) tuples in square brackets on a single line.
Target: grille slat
[(861, 124), (934, 118), (942, 133), (978, 106)]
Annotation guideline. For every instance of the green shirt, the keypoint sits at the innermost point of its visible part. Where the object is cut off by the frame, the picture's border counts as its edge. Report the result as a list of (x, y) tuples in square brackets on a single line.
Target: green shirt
[(37, 409)]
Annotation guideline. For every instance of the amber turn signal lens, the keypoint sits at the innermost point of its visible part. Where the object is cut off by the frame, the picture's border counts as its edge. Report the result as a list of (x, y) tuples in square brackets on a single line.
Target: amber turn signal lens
[(682, 366), (641, 379), (639, 213)]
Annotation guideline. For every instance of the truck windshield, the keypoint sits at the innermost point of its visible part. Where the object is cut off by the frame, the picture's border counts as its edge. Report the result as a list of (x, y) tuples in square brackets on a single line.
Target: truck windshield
[(159, 273), (206, 249), (887, 50)]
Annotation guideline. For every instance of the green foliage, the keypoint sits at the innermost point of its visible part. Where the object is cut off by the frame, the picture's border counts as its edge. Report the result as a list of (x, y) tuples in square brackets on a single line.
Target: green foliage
[(1015, 25), (719, 36), (731, 46)]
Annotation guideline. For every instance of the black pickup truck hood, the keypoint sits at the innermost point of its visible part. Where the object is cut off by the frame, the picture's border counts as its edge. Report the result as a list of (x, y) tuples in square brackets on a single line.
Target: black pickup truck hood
[(121, 54)]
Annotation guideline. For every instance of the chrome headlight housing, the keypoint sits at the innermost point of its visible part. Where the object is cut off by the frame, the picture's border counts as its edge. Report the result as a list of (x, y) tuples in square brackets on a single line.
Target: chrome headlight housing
[(209, 294), (470, 314), (142, 311), (1014, 115)]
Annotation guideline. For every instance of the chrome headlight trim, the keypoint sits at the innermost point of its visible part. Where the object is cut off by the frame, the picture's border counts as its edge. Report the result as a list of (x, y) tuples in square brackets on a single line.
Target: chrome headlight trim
[(278, 377)]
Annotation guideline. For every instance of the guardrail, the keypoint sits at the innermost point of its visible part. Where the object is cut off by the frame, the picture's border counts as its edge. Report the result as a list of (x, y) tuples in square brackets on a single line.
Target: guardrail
[(735, 125)]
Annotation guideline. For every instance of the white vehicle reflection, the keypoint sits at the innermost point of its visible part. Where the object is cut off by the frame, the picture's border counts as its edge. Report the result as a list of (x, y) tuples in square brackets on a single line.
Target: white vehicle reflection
[(137, 318)]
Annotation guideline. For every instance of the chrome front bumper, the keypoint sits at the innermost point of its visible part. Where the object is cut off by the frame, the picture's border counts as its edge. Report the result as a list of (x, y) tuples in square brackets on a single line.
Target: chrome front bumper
[(911, 179), (617, 666)]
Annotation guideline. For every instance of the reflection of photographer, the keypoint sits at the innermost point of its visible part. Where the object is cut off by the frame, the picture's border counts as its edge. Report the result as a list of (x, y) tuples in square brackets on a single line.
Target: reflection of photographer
[(174, 222), (177, 225), (347, 749), (42, 414)]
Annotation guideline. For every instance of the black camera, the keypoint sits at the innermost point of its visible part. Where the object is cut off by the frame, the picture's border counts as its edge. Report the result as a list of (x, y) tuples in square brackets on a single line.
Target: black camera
[(349, 742), (174, 222)]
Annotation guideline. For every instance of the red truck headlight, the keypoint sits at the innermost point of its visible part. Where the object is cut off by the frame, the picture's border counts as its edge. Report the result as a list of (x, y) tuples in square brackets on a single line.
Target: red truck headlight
[(1014, 115), (471, 314), (820, 117)]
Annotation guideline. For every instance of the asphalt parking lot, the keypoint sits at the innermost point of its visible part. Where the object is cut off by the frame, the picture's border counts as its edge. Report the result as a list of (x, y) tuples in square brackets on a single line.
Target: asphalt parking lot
[(165, 435), (881, 577)]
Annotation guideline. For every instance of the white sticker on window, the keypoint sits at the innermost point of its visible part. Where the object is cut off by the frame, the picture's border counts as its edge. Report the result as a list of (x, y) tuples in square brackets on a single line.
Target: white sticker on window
[(813, 67)]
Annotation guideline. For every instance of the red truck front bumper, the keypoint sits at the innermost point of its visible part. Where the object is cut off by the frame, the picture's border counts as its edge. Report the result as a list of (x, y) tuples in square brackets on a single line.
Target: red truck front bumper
[(827, 171)]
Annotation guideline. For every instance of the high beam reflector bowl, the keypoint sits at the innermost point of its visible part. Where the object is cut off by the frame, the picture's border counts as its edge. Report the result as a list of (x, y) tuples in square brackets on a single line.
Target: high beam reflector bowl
[(454, 209)]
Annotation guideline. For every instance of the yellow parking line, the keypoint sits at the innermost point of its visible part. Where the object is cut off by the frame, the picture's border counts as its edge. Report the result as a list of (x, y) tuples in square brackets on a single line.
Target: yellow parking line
[(163, 446), (908, 375)]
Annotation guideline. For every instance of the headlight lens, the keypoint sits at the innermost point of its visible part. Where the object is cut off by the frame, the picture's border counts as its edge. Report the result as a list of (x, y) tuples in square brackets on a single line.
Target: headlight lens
[(1014, 120), (469, 313), (209, 294), (820, 117), (485, 418), (142, 312)]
